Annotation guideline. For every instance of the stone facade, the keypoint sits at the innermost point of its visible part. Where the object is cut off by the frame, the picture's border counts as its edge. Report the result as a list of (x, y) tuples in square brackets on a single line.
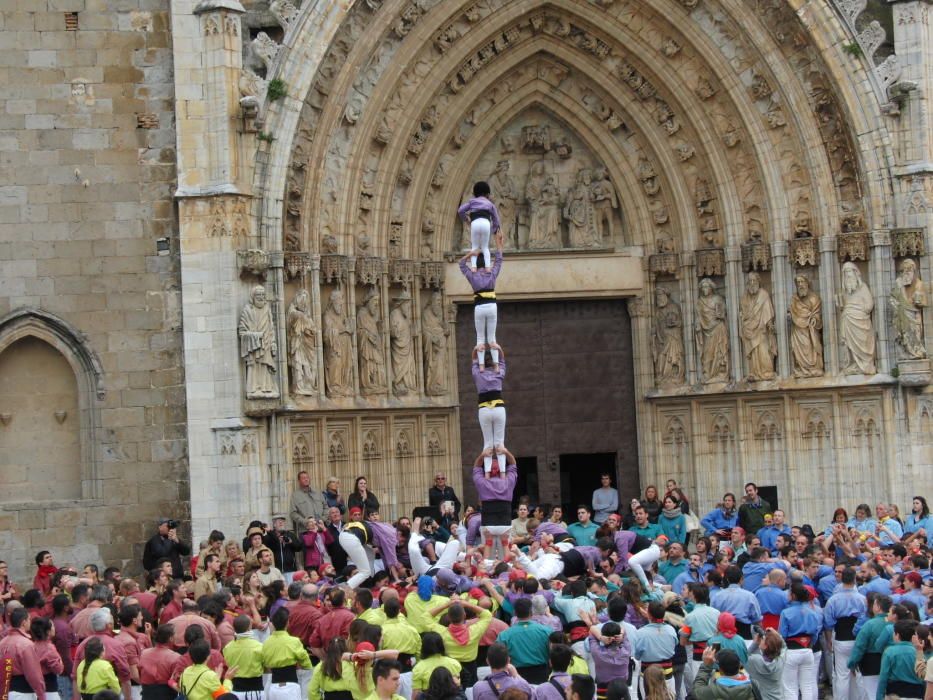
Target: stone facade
[(93, 427), (658, 151)]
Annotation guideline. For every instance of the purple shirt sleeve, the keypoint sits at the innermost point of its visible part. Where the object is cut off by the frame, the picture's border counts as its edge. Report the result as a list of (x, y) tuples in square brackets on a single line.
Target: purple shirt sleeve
[(495, 219), (496, 266), (464, 210)]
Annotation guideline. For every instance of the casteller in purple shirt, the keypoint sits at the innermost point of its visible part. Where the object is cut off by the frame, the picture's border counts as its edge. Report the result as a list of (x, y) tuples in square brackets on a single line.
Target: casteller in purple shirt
[(495, 488), (480, 204), (484, 278), (488, 379)]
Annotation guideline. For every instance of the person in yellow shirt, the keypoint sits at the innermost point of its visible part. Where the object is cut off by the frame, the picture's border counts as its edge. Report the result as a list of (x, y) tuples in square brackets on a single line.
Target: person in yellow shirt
[(386, 676), (198, 682), (432, 656), (398, 634), (282, 655), (363, 607), (245, 653), (94, 673), (363, 657), (461, 640), (332, 678)]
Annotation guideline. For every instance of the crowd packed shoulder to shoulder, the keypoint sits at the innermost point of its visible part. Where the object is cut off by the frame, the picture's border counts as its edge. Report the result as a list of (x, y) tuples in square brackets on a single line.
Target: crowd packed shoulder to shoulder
[(654, 602)]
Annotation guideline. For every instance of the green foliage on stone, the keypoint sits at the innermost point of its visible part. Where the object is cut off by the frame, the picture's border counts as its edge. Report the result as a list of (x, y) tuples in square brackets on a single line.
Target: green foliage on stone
[(853, 49), (277, 89)]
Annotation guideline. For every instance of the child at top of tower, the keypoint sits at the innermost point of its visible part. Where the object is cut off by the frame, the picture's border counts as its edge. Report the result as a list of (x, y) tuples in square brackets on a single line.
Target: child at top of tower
[(485, 310), (483, 218)]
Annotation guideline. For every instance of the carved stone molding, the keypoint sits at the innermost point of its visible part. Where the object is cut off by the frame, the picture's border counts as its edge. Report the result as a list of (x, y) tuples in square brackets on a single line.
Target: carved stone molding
[(253, 262), (432, 274), (756, 255), (852, 246), (711, 262), (334, 268), (369, 270), (663, 264), (803, 252), (907, 242), (297, 264)]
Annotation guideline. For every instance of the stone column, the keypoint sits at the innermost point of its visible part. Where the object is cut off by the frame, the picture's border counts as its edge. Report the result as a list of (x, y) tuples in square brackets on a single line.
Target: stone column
[(688, 305), (733, 290), (828, 290), (881, 276), (781, 289), (639, 313)]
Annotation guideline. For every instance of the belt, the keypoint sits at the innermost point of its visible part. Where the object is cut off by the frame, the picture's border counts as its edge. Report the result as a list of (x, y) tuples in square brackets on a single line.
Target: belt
[(285, 674), (490, 399), (19, 684), (799, 642), (244, 685), (51, 682), (698, 649), (474, 215), (484, 297), (744, 629)]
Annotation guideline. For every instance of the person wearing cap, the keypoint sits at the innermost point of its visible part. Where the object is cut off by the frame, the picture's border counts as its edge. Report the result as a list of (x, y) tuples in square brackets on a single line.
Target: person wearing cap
[(730, 683), (307, 502), (254, 537), (285, 547), (165, 544), (358, 540), (495, 495)]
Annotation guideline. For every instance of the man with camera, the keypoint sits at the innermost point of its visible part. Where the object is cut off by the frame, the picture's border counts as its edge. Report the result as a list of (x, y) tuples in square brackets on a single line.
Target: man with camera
[(166, 545)]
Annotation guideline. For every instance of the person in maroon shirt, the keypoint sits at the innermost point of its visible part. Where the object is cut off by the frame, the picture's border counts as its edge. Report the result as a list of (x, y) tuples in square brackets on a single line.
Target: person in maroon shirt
[(305, 615), (129, 588), (173, 608), (50, 660), (47, 568), (333, 623), (193, 617), (17, 646), (102, 627), (65, 641), (156, 666)]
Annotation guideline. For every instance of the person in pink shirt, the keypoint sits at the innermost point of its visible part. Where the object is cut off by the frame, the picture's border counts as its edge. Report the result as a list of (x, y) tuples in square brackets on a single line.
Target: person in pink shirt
[(102, 627), (156, 666), (26, 680), (41, 631)]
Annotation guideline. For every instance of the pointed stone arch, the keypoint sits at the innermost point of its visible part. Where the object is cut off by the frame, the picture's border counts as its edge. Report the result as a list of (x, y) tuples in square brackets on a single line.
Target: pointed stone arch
[(72, 345)]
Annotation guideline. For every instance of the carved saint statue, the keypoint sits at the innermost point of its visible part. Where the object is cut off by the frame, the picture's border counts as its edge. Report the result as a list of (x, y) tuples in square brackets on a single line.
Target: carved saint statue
[(258, 346), (338, 347), (667, 341), (806, 342), (434, 345), (907, 301), (756, 328), (505, 196), (404, 369), (544, 203), (712, 336), (604, 201), (302, 344), (855, 327), (580, 214), (371, 345)]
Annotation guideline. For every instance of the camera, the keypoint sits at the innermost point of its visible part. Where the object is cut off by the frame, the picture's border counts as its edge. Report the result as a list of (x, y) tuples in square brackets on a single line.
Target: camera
[(758, 630), (172, 524)]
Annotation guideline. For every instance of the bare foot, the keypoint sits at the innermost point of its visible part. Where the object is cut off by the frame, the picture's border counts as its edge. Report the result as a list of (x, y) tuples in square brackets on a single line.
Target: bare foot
[(495, 368)]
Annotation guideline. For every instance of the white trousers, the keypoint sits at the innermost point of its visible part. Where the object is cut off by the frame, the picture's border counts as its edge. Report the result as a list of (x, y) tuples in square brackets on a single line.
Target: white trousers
[(135, 690), (361, 556), (479, 240), (869, 687), (284, 691), (690, 670), (485, 317), (643, 560), (304, 680), (492, 423), (13, 695), (844, 678), (446, 554), (798, 674)]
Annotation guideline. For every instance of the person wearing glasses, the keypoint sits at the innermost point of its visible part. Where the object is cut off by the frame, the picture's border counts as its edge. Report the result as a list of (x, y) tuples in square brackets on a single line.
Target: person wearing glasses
[(441, 492)]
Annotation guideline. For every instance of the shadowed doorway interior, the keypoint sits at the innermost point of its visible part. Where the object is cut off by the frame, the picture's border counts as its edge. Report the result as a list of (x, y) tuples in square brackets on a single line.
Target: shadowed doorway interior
[(579, 477)]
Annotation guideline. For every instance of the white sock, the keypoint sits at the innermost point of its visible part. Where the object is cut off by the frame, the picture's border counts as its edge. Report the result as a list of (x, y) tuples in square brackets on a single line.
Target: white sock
[(487, 465), (501, 459)]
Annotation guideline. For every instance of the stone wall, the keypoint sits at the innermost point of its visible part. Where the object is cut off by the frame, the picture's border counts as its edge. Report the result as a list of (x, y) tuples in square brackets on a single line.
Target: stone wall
[(89, 266)]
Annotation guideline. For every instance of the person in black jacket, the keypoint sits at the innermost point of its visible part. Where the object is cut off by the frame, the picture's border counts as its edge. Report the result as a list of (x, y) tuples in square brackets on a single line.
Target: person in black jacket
[(284, 545), (441, 492), (166, 545), (335, 526)]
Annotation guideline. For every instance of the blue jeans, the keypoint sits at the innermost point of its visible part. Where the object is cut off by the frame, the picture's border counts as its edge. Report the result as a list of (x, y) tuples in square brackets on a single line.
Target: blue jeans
[(64, 687)]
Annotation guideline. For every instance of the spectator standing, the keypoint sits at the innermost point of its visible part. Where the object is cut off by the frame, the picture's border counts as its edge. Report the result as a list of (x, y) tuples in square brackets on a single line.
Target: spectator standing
[(306, 502), (46, 568), (605, 499), (285, 547), (338, 556), (440, 492), (165, 544), (753, 509), (765, 665), (652, 503), (672, 521), (332, 497), (363, 498)]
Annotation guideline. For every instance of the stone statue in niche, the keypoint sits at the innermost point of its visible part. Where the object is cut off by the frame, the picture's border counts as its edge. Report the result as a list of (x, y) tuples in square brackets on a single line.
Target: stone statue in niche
[(855, 323), (712, 336), (907, 301), (338, 347), (258, 346), (756, 327), (604, 201), (667, 341), (505, 196), (404, 370), (581, 214), (806, 341), (543, 199), (434, 345), (302, 345), (371, 345)]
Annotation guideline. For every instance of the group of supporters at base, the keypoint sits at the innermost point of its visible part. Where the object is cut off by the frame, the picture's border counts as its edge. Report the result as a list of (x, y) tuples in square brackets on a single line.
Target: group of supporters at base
[(755, 608)]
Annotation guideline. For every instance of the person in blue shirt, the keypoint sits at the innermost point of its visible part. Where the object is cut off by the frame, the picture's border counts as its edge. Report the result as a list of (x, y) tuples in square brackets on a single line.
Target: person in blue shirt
[(863, 522), (741, 603), (721, 520), (919, 519), (913, 593), (672, 520), (693, 574), (759, 566), (830, 584), (584, 530), (875, 582), (889, 530), (773, 599), (769, 532), (844, 610), (800, 626)]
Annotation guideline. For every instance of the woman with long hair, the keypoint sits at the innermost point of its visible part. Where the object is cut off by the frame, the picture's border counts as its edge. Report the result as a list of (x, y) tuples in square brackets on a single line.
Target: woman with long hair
[(94, 672), (918, 519), (672, 521), (443, 686), (656, 684), (652, 503), (363, 498), (42, 632), (331, 679), (433, 656)]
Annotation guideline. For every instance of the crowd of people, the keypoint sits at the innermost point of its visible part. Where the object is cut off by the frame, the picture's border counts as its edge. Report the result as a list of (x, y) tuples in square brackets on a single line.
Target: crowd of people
[(650, 601)]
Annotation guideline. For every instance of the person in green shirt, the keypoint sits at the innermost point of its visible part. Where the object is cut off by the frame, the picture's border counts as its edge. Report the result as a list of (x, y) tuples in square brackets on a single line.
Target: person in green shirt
[(333, 674), (584, 530), (198, 682), (527, 642), (420, 602), (386, 677), (433, 655), (642, 525), (897, 675), (245, 654), (363, 607), (95, 673), (870, 643), (461, 640), (398, 634), (283, 655)]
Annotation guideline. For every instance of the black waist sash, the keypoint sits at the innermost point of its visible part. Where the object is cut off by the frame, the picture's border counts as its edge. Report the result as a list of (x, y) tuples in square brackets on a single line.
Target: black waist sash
[(19, 684), (285, 674), (574, 563), (161, 691), (496, 513), (845, 629), (490, 399), (51, 682), (484, 296), (244, 685), (744, 629), (480, 214), (360, 530), (337, 695), (870, 665)]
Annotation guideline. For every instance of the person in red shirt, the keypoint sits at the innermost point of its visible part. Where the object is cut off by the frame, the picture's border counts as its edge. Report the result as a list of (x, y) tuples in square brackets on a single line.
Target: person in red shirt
[(131, 618), (47, 569), (335, 622), (129, 588), (102, 627), (156, 665), (173, 608), (50, 661), (305, 615), (17, 647)]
